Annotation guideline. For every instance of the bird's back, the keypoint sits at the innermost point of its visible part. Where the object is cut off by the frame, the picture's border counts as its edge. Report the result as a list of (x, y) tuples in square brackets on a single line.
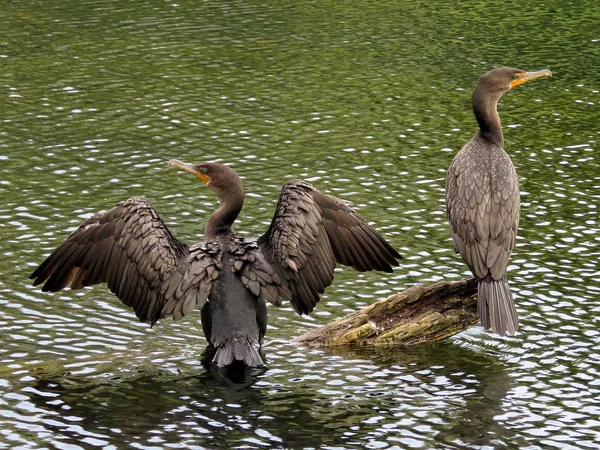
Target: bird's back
[(234, 319), (482, 201)]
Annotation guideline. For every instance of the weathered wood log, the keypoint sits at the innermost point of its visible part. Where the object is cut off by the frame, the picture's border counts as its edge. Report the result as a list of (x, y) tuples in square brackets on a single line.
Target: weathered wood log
[(419, 314)]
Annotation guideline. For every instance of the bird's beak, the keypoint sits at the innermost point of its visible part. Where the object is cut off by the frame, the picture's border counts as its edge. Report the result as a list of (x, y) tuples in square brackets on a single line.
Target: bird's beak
[(191, 168), (524, 77)]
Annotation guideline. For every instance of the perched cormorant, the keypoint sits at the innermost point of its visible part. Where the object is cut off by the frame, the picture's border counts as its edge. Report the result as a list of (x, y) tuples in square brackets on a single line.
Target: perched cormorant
[(482, 201), (226, 276)]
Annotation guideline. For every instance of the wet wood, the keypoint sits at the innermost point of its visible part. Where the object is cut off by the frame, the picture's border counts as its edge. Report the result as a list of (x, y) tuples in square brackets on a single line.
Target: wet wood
[(419, 314)]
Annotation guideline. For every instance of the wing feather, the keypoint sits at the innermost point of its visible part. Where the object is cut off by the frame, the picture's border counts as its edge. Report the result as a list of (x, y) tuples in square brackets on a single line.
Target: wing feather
[(309, 233), (133, 252)]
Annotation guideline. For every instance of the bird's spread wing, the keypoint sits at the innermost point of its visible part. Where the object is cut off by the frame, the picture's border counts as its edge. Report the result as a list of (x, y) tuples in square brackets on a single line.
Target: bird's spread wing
[(312, 231), (483, 211), (131, 249)]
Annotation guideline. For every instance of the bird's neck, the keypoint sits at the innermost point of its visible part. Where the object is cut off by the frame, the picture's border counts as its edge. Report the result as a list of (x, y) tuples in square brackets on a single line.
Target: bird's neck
[(486, 113), (221, 221)]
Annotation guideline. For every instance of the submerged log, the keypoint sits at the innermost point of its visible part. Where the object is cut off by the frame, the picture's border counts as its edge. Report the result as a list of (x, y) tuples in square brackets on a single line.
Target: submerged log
[(419, 314)]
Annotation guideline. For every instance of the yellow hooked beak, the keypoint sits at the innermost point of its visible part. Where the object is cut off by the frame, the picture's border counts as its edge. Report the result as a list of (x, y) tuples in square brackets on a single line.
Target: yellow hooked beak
[(524, 77), (191, 168)]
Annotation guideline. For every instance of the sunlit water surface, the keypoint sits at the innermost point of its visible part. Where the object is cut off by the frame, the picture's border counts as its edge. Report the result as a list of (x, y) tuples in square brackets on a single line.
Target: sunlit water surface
[(369, 101)]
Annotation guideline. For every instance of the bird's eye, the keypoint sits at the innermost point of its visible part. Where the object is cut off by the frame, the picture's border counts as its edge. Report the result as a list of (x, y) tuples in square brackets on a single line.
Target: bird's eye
[(517, 75), (204, 170)]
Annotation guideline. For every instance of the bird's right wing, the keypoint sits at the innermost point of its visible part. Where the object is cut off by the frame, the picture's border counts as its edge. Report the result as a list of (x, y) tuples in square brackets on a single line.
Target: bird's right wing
[(132, 250), (309, 233)]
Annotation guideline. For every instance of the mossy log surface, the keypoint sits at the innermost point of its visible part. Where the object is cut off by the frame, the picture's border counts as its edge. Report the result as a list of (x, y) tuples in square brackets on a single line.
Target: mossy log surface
[(419, 314)]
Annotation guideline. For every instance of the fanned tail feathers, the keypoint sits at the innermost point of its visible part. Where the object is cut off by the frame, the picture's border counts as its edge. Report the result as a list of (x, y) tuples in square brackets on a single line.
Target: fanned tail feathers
[(496, 307), (237, 350)]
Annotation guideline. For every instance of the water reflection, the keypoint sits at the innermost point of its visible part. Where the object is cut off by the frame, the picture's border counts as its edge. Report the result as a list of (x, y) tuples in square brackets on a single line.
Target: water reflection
[(474, 385), (148, 406), (160, 409), (387, 399)]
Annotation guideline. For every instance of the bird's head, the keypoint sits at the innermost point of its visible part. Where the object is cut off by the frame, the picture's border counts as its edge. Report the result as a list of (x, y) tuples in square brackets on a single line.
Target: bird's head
[(220, 178), (503, 79)]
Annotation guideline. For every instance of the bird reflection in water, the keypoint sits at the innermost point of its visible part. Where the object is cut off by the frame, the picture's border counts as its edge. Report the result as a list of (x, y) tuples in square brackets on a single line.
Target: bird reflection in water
[(156, 407)]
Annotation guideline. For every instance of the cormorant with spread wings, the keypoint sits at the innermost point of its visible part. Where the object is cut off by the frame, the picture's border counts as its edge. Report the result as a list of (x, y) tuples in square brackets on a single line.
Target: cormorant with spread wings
[(227, 277)]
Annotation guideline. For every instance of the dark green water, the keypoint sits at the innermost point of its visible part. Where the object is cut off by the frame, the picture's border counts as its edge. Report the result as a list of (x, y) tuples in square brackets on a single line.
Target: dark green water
[(369, 101)]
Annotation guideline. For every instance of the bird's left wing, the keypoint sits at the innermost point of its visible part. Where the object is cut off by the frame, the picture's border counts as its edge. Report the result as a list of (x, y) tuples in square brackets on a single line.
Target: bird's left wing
[(131, 250), (312, 231)]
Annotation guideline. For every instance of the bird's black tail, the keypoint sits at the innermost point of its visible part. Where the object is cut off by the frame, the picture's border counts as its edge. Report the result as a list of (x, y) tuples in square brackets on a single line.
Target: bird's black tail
[(237, 349), (496, 307)]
